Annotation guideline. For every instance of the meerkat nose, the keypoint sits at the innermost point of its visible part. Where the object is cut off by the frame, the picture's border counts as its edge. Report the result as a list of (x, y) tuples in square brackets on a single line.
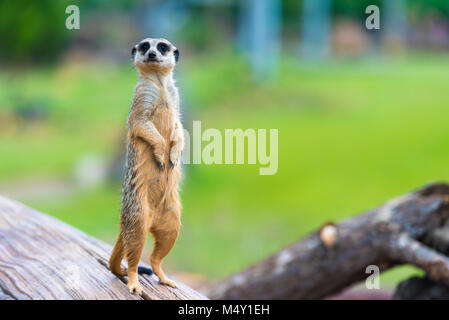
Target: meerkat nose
[(151, 55)]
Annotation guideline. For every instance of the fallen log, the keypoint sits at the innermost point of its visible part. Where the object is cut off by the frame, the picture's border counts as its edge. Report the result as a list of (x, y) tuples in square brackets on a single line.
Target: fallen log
[(44, 258), (403, 231), (416, 288)]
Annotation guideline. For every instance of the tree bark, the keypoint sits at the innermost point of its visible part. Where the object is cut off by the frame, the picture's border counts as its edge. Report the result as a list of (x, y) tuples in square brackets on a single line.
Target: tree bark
[(403, 231), (43, 258)]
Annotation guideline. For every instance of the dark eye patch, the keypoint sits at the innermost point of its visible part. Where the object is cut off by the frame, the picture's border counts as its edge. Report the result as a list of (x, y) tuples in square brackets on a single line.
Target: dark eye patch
[(163, 47), (143, 47)]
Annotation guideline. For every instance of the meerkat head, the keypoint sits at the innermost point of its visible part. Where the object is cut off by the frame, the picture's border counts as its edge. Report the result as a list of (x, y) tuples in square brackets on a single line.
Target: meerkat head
[(155, 55)]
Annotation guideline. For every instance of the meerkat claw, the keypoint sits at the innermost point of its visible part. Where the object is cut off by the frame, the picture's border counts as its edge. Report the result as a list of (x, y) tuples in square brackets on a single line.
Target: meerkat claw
[(135, 289), (162, 166)]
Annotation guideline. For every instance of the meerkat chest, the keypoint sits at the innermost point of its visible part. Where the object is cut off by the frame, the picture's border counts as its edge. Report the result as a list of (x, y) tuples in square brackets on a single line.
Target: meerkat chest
[(164, 117)]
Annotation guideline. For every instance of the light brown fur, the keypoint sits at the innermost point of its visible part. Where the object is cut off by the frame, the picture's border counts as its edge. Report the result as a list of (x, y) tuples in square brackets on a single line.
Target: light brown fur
[(150, 200)]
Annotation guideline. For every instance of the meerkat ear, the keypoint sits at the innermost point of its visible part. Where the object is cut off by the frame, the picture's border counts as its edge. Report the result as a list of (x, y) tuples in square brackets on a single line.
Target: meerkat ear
[(133, 52), (176, 53)]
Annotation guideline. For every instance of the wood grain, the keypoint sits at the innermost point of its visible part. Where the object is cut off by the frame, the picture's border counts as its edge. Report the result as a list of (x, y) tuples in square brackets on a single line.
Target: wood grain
[(44, 258)]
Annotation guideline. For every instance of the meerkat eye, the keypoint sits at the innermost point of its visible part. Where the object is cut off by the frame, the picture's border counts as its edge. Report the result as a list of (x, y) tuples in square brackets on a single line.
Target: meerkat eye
[(162, 47), (143, 47)]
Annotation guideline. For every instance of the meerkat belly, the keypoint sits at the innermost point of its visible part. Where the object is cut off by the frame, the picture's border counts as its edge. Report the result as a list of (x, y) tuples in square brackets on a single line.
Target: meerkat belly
[(149, 180), (153, 180), (164, 121)]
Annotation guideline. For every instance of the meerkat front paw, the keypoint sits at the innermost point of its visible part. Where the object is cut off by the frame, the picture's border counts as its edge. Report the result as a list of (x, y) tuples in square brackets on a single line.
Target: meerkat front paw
[(175, 158), (160, 161), (135, 288), (161, 165)]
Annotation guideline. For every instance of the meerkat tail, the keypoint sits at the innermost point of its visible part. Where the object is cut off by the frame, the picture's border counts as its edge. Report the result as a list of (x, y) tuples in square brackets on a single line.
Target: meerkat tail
[(144, 270)]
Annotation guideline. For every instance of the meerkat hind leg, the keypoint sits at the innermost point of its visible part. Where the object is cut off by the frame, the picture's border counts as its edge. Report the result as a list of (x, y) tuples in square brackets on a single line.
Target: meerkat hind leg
[(134, 250), (164, 239), (115, 261)]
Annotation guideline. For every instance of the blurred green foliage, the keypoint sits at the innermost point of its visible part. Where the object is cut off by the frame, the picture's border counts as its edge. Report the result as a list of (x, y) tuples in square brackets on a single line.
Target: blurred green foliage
[(432, 6), (34, 31), (354, 9)]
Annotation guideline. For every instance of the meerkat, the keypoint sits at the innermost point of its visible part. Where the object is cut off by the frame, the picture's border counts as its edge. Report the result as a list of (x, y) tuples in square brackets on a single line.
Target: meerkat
[(150, 199)]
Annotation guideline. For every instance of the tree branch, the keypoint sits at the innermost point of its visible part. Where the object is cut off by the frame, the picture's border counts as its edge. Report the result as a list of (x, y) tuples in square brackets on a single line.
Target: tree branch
[(309, 269)]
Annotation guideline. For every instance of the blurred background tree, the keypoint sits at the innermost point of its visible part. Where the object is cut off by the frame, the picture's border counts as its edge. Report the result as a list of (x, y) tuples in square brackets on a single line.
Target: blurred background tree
[(31, 30)]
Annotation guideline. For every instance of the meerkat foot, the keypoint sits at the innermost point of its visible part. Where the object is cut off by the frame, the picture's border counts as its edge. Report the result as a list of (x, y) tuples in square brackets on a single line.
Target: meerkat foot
[(169, 283), (134, 287), (119, 273)]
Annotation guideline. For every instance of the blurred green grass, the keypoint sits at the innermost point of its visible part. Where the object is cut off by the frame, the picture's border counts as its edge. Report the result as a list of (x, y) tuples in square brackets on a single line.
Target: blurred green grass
[(352, 134)]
